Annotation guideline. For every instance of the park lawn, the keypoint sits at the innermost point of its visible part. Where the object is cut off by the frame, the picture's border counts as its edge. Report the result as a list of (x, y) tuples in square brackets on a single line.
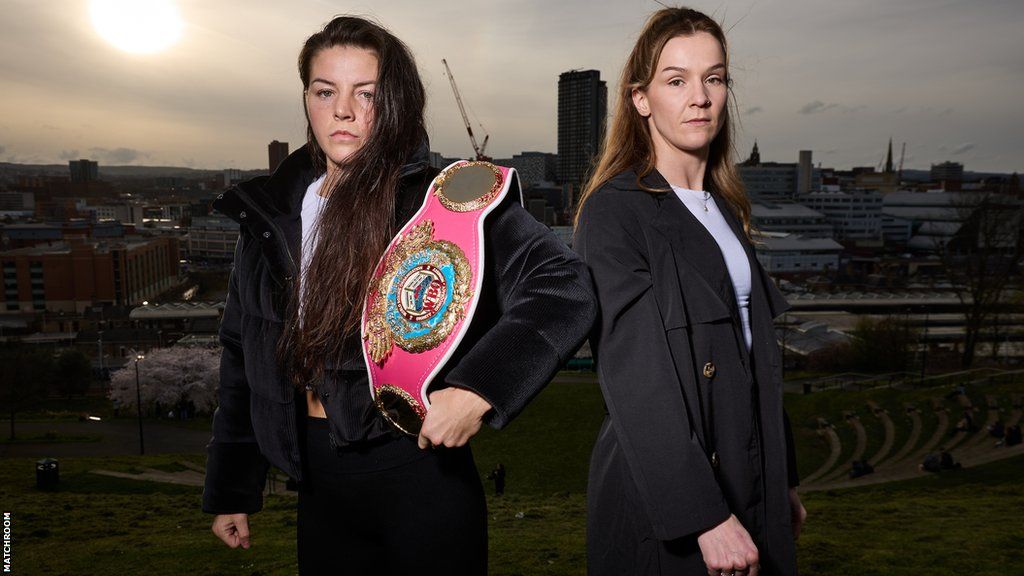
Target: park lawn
[(97, 524), (964, 522)]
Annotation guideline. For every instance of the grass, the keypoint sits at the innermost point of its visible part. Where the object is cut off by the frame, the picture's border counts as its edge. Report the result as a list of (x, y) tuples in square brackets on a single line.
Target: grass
[(958, 522), (955, 523)]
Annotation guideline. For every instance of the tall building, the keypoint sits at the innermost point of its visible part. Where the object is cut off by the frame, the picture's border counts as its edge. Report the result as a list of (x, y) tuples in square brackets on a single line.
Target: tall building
[(947, 172), (277, 151), (84, 170), (804, 173), (582, 115)]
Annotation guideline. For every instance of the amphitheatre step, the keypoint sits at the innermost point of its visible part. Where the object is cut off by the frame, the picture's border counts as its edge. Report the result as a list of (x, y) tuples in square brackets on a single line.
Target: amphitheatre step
[(858, 451), (890, 438), (982, 433), (915, 435), (835, 449), (941, 429), (908, 472)]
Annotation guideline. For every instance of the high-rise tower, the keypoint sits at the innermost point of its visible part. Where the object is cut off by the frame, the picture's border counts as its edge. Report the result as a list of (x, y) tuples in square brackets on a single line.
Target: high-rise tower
[(582, 115)]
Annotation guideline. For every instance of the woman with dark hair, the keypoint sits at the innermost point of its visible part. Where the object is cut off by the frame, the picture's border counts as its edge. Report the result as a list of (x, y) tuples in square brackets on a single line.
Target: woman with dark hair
[(294, 388), (693, 471)]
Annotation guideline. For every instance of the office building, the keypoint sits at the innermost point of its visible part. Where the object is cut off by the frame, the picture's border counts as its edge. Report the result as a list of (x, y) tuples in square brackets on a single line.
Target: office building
[(793, 254), (789, 218), (72, 276), (947, 172), (84, 170), (277, 152), (532, 167), (854, 215), (212, 238), (582, 115)]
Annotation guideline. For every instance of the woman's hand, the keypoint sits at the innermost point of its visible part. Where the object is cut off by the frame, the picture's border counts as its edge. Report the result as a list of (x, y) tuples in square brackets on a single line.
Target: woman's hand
[(455, 415), (797, 511), (233, 529), (728, 549)]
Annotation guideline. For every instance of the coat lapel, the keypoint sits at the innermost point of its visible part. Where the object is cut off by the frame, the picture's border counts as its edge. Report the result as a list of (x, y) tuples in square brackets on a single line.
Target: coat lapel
[(703, 274)]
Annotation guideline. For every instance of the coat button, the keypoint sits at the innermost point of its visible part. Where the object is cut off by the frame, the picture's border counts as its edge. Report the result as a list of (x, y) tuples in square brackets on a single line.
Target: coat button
[(714, 460), (709, 370), (241, 214), (266, 234)]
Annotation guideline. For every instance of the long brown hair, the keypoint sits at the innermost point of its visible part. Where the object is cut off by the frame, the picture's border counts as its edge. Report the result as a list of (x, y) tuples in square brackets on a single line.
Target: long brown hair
[(628, 144), (358, 219)]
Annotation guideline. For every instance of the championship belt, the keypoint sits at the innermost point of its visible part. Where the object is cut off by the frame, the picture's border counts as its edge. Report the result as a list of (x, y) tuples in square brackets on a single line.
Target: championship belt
[(426, 287)]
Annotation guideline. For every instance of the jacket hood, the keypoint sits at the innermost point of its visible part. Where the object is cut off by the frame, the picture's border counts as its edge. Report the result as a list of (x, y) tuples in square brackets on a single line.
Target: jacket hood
[(280, 194)]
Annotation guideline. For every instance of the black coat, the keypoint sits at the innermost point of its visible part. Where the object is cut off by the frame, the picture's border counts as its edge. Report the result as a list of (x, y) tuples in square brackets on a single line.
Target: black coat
[(696, 427), (536, 306)]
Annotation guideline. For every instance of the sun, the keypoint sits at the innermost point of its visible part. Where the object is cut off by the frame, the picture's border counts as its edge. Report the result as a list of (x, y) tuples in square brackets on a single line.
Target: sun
[(137, 26)]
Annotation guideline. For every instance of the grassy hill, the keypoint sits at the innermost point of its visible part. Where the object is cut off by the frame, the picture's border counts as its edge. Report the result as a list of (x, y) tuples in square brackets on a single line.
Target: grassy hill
[(960, 522)]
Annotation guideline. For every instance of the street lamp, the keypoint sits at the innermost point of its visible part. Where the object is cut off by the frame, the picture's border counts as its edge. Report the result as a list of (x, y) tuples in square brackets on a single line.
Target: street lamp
[(138, 402)]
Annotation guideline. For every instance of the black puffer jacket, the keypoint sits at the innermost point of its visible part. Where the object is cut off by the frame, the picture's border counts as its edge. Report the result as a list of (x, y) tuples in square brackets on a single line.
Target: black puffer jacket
[(536, 307)]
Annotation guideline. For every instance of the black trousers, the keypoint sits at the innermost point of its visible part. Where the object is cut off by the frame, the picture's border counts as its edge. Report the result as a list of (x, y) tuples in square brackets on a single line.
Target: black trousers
[(390, 508)]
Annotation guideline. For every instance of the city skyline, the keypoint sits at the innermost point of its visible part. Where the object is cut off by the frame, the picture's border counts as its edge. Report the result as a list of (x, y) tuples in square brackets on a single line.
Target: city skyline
[(839, 82)]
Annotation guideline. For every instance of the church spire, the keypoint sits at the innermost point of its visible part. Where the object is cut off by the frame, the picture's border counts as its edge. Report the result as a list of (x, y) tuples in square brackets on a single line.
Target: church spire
[(888, 158)]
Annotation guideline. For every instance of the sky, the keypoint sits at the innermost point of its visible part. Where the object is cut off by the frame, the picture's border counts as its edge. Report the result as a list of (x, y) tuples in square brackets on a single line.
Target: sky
[(838, 77)]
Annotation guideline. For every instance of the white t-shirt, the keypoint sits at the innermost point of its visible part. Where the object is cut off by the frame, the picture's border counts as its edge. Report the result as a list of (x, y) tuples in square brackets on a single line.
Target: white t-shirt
[(732, 250), (312, 205)]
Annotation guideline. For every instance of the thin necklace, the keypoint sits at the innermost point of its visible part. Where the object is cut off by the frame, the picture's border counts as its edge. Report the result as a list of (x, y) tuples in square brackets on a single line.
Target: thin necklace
[(707, 196)]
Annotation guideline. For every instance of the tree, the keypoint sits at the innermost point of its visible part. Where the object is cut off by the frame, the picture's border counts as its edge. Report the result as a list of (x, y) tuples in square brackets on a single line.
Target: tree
[(981, 259), (27, 375), (73, 372), (170, 377), (881, 345)]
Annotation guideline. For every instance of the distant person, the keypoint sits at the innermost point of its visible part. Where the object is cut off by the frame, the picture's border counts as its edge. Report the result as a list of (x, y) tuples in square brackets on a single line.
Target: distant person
[(946, 461), (294, 389), (498, 475), (931, 463), (966, 423), (692, 472), (997, 430), (861, 468), (1012, 436)]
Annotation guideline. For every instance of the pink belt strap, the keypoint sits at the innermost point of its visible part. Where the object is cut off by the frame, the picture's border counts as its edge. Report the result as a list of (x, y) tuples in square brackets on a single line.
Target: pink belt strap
[(426, 287)]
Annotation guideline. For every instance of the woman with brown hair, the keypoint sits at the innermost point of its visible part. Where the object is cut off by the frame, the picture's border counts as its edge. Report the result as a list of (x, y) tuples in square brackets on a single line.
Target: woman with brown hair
[(294, 388), (693, 471)]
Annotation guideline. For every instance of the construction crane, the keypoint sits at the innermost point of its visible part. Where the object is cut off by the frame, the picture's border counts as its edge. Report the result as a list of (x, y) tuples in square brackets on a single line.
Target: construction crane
[(477, 149)]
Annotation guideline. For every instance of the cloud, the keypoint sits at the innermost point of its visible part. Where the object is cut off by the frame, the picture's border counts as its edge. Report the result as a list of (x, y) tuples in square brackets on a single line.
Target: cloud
[(963, 148), (69, 155), (754, 110), (816, 106), (117, 155)]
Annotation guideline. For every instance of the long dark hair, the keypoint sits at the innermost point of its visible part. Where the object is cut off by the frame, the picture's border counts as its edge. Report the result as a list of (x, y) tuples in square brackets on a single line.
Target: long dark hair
[(628, 144), (358, 219)]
